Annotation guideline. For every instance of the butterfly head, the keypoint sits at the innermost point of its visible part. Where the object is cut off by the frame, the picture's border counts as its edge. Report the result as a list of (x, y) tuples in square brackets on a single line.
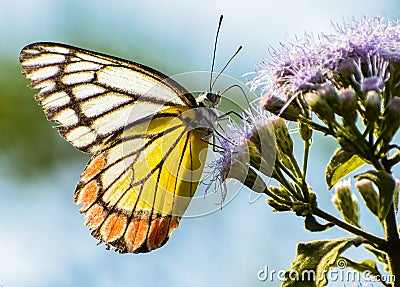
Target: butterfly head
[(209, 99)]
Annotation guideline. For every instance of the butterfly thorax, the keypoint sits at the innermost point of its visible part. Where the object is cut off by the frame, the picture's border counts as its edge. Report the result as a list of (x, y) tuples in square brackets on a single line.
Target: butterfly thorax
[(209, 99), (204, 117)]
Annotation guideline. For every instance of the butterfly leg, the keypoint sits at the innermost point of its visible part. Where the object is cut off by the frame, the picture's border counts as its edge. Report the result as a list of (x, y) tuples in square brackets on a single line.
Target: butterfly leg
[(226, 116)]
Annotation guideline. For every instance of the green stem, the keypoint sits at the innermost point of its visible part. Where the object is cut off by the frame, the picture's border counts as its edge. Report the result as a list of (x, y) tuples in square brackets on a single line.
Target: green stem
[(304, 188), (287, 172), (316, 126), (393, 245), (295, 165), (283, 181), (395, 159), (377, 241)]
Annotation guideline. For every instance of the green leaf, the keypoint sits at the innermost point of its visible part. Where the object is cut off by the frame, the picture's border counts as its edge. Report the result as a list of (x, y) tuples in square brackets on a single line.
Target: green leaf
[(380, 255), (386, 186), (311, 224), (340, 165), (313, 259), (366, 265)]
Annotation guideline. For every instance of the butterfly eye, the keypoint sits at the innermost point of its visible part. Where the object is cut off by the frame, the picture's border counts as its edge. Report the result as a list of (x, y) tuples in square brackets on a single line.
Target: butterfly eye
[(213, 98)]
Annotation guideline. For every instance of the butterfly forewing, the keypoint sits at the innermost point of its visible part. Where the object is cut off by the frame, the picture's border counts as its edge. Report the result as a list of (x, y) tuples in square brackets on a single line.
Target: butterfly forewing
[(90, 95), (147, 158)]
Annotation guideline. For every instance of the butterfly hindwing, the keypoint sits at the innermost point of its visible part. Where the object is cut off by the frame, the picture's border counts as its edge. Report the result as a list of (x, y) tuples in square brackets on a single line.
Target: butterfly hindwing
[(115, 184)]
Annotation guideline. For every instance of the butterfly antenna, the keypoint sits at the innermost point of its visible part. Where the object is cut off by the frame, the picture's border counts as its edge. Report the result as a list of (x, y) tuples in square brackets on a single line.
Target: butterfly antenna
[(215, 50), (244, 94), (240, 88), (226, 65)]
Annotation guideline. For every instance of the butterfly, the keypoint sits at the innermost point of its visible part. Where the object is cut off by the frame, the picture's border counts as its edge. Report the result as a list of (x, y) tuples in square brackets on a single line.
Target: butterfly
[(147, 134)]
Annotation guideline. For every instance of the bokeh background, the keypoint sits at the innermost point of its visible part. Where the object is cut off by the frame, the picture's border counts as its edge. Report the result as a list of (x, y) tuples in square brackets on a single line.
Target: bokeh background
[(43, 241)]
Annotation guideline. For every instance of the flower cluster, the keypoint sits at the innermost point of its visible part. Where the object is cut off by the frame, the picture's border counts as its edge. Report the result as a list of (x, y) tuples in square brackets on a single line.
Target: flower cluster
[(349, 80), (262, 147), (350, 74), (345, 85), (359, 49)]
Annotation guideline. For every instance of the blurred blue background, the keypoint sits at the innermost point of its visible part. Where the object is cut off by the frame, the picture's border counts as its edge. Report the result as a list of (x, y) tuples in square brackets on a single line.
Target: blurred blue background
[(43, 239)]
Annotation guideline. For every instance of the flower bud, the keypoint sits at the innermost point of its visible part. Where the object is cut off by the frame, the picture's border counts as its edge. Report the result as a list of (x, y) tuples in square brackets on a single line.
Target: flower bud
[(369, 194), (253, 181), (280, 192), (305, 132), (284, 146), (348, 103), (283, 140), (279, 107), (278, 207), (346, 69), (237, 165), (391, 119), (327, 92), (262, 146), (372, 107), (346, 202), (373, 83), (320, 106)]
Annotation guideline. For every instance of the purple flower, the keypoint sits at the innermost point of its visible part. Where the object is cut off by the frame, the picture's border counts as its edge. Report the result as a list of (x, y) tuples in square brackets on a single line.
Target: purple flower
[(357, 53), (246, 149)]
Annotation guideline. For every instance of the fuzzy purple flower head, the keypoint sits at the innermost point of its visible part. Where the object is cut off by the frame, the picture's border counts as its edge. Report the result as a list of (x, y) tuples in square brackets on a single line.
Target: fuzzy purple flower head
[(363, 55), (246, 147)]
